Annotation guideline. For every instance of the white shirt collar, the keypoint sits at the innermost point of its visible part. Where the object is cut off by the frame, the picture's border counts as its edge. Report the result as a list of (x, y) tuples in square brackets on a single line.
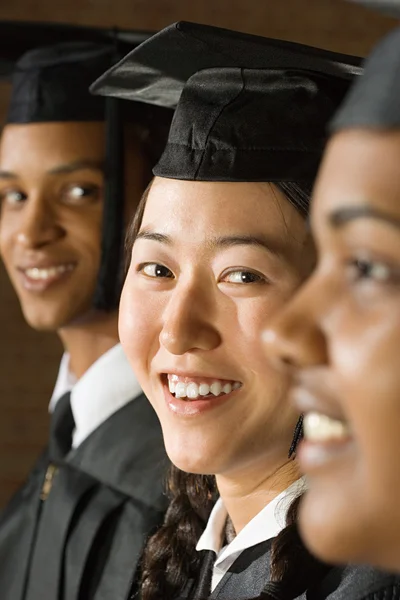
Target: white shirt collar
[(267, 524), (106, 387), (65, 382)]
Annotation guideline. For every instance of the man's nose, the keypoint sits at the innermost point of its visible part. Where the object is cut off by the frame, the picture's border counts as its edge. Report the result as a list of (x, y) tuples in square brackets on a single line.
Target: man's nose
[(38, 224)]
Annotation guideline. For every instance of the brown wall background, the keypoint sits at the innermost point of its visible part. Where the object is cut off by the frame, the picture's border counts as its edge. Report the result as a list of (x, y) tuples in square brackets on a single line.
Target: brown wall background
[(29, 360)]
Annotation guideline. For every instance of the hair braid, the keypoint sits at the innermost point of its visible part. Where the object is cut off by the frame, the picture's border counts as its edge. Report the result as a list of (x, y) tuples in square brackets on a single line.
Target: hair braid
[(170, 559), (293, 569)]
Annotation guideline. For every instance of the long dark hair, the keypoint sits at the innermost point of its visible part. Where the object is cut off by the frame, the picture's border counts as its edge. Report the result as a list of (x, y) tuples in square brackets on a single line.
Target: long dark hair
[(170, 558)]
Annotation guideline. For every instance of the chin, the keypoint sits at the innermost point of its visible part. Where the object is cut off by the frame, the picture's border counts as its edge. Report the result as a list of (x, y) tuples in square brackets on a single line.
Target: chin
[(43, 323), (190, 458), (192, 464), (335, 532), (47, 321)]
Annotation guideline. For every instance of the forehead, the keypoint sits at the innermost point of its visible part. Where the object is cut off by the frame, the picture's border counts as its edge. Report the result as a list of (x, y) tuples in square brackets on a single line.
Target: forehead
[(41, 146), (185, 207), (360, 167)]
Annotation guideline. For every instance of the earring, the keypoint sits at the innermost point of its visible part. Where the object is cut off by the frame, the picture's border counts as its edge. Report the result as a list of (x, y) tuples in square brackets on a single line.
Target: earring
[(297, 436)]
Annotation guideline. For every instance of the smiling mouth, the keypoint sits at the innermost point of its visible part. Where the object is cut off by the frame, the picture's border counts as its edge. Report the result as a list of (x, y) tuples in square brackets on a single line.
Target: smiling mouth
[(319, 428), (187, 389), (47, 273)]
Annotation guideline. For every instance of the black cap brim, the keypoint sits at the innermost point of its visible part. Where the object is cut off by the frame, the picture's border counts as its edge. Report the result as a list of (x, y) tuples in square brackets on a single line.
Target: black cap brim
[(18, 37), (154, 75)]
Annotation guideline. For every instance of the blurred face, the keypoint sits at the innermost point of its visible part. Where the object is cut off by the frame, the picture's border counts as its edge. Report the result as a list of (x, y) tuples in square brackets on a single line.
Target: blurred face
[(341, 336), (51, 203), (210, 266)]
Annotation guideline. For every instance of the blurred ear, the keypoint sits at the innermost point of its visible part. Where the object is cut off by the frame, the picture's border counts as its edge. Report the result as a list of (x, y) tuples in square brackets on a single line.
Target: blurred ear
[(388, 7)]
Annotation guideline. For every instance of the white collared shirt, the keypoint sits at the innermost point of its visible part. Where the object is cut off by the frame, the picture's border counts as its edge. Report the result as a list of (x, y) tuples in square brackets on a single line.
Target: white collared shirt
[(106, 387), (265, 525)]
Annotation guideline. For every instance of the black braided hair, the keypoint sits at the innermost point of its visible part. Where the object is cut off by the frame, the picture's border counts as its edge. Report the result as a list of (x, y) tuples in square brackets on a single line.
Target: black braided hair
[(170, 558), (297, 437)]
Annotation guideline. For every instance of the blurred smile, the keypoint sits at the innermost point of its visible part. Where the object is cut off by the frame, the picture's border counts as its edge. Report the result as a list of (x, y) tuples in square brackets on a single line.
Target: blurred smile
[(327, 434), (38, 278)]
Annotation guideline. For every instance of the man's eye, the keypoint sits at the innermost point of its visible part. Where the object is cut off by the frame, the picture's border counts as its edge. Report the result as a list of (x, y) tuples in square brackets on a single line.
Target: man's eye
[(12, 197), (81, 194), (242, 276), (156, 270)]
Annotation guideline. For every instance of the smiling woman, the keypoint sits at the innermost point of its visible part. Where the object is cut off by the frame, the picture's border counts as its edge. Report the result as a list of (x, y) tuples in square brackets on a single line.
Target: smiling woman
[(219, 243), (340, 334)]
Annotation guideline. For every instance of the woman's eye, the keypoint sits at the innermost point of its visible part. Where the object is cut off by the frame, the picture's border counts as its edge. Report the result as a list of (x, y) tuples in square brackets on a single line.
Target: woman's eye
[(361, 269), (81, 194), (242, 276), (156, 270), (12, 197)]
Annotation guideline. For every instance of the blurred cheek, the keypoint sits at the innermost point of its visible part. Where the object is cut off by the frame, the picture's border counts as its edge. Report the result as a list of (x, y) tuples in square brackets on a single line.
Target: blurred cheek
[(136, 329), (5, 240), (368, 363)]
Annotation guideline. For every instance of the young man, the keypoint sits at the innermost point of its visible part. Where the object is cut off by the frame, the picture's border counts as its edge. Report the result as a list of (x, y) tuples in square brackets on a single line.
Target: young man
[(77, 527)]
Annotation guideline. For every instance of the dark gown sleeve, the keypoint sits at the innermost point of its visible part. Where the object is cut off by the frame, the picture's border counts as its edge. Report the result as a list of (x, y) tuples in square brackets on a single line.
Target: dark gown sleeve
[(390, 592), (85, 541), (249, 574), (356, 583), (18, 524)]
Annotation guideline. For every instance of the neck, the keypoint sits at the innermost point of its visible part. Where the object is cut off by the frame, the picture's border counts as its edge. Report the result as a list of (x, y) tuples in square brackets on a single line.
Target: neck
[(87, 342), (245, 496)]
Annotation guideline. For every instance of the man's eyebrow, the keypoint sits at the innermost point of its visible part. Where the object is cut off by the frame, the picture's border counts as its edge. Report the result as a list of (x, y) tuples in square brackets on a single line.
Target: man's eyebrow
[(217, 242), (78, 165), (64, 169), (342, 216)]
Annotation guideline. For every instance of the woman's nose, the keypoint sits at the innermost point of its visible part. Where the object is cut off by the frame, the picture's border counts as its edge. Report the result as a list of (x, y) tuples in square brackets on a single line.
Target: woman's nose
[(190, 322)]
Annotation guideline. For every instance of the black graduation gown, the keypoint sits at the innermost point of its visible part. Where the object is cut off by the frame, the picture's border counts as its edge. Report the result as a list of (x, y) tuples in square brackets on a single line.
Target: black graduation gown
[(104, 502), (249, 574)]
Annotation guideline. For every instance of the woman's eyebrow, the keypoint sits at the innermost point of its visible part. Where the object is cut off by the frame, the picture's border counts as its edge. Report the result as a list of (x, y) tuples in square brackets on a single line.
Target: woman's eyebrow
[(227, 241), (146, 234), (263, 242), (342, 216), (8, 175)]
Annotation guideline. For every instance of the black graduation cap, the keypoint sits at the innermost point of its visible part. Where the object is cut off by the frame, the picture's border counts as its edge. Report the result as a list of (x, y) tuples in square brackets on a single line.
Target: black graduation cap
[(51, 83), (17, 37), (248, 108), (374, 100)]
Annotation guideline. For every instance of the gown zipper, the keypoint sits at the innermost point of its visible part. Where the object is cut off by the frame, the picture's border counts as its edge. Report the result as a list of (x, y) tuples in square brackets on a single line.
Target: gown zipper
[(51, 471), (48, 481)]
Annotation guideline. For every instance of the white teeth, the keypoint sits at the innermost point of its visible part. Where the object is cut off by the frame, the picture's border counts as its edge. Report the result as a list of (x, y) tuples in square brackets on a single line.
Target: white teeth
[(180, 390), (44, 274), (204, 389), (192, 391), (320, 428), (227, 388), (216, 388)]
